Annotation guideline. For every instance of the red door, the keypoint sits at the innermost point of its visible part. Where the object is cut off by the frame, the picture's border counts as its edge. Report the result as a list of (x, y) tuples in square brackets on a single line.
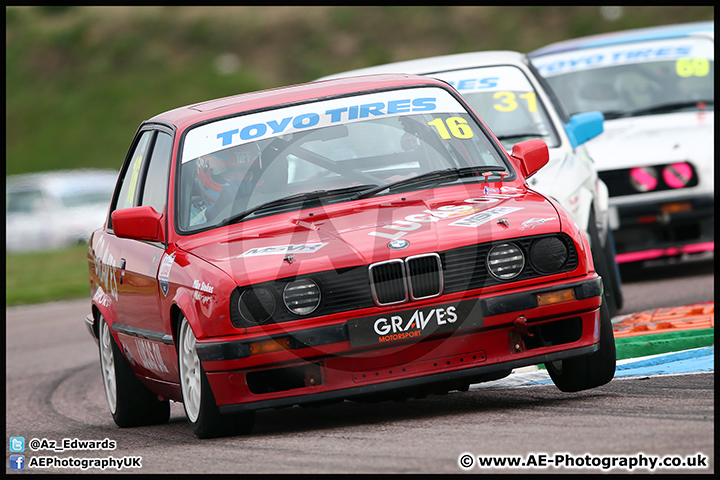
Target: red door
[(143, 327)]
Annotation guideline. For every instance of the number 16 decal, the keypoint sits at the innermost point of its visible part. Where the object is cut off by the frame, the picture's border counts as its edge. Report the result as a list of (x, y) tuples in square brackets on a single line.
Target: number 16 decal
[(456, 127)]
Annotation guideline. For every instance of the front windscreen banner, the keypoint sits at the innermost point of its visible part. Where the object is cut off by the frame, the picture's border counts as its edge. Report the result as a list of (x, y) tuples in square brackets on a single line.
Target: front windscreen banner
[(239, 130), (682, 50), (628, 80)]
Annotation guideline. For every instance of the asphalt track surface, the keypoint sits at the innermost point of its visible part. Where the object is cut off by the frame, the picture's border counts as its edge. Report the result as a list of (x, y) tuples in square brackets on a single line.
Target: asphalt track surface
[(54, 392)]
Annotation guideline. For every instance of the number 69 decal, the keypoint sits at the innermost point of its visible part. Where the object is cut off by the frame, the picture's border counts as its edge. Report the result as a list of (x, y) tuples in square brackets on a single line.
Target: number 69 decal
[(692, 67)]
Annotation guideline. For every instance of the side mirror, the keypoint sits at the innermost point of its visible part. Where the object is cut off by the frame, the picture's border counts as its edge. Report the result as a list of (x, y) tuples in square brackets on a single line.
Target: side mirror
[(584, 126), (138, 223), (531, 156)]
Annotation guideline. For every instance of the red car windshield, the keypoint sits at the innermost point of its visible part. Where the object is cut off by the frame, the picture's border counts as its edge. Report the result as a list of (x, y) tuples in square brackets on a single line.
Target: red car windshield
[(341, 145)]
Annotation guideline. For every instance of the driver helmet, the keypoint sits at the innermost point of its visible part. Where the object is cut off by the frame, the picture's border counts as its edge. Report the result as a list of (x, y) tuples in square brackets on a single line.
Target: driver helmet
[(598, 95), (219, 168)]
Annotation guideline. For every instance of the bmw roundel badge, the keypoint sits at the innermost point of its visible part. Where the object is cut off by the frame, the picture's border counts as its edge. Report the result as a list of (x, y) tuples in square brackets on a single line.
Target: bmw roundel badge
[(398, 244)]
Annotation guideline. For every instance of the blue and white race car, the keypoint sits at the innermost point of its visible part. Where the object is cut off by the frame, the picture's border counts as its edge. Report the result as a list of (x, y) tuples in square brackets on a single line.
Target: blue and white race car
[(517, 104), (656, 88)]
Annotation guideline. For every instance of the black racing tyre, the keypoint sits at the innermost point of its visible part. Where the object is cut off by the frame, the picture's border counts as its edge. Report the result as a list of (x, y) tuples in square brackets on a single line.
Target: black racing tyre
[(610, 253), (588, 371), (131, 403), (198, 399), (606, 266)]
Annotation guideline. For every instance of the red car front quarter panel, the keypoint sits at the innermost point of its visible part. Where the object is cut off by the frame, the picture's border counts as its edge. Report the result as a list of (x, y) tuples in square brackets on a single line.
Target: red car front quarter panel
[(581, 240), (103, 282)]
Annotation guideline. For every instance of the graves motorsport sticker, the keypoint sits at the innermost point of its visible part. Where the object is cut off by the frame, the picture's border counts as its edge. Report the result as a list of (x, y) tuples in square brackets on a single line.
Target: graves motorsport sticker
[(415, 323)]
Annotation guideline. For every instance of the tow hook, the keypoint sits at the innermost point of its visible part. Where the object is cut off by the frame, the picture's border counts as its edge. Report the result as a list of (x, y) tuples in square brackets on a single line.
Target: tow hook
[(517, 334)]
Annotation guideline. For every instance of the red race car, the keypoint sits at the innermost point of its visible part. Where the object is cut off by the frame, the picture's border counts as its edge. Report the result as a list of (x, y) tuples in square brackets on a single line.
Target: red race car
[(363, 238)]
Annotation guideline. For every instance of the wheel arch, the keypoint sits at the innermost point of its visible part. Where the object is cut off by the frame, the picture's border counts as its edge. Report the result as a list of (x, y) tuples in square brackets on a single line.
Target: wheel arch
[(183, 306), (97, 310), (601, 208)]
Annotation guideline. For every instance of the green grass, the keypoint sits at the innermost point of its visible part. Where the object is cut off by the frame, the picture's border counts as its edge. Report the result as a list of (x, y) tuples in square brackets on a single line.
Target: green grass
[(37, 277), (79, 80)]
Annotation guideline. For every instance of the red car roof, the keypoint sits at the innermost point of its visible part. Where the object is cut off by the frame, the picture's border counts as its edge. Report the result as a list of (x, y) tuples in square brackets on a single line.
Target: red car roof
[(190, 114)]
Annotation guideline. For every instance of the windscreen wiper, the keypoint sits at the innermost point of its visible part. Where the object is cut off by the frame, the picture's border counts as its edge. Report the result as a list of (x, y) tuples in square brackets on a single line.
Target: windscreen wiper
[(611, 114), (667, 107), (293, 199), (433, 176), (519, 134)]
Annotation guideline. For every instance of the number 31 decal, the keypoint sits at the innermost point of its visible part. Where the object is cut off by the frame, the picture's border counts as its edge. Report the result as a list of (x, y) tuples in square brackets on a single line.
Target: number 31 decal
[(508, 102)]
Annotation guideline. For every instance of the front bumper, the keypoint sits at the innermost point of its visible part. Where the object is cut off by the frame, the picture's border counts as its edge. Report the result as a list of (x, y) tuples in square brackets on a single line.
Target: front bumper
[(663, 227), (90, 324), (318, 365)]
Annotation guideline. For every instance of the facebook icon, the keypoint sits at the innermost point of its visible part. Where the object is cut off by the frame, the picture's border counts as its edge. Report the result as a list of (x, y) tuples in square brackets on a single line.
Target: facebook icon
[(17, 462)]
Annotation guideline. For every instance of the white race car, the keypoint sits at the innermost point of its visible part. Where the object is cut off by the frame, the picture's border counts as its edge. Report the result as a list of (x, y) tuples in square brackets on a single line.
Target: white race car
[(655, 87), (517, 104), (55, 209)]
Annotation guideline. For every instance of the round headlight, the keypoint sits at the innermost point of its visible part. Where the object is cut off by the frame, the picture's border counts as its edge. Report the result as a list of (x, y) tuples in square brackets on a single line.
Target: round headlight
[(302, 296), (505, 261), (548, 255), (256, 305)]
